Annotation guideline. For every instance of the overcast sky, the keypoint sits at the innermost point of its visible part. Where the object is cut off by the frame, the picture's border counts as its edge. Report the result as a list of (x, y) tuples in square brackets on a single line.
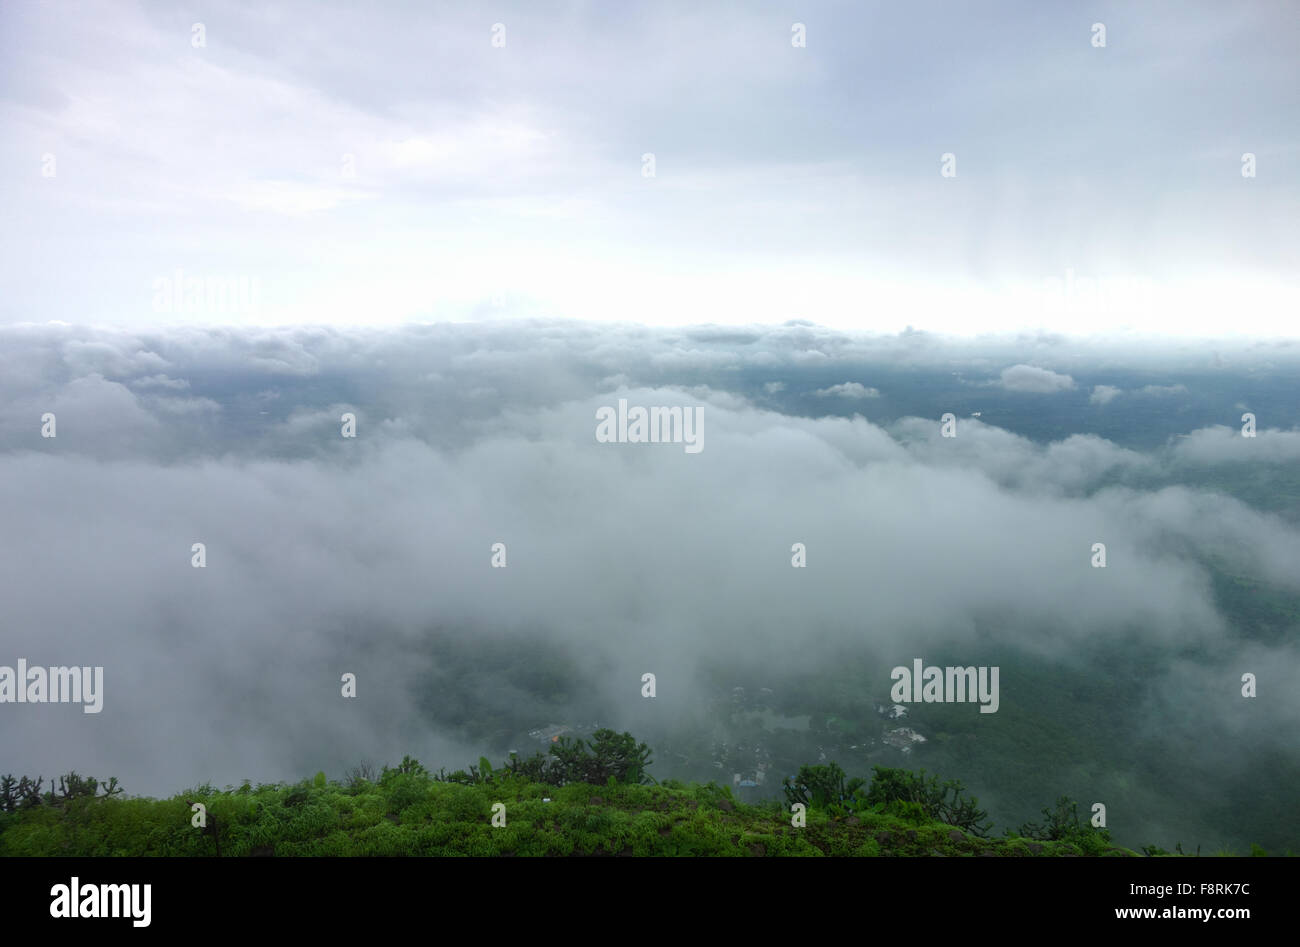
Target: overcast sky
[(380, 163)]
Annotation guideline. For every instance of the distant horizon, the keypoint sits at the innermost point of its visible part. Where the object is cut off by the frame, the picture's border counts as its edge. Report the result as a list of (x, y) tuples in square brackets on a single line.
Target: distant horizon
[(1007, 336)]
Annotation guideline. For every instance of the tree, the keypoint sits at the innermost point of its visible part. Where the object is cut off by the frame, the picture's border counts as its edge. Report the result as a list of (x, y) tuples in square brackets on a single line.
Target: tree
[(1062, 825), (822, 786), (26, 793), (363, 772), (532, 768), (408, 767), (618, 756), (610, 755), (607, 756), (890, 785)]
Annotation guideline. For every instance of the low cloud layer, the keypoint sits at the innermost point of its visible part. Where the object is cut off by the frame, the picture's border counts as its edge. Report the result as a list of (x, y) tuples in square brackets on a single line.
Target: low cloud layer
[(328, 555)]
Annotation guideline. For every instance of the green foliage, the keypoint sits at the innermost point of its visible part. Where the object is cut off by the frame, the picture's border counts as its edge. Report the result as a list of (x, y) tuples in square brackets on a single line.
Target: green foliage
[(939, 801), (25, 793), (408, 767), (1153, 851), (609, 756), (531, 768), (598, 804), (1062, 824), (21, 794), (908, 811), (358, 775), (822, 786)]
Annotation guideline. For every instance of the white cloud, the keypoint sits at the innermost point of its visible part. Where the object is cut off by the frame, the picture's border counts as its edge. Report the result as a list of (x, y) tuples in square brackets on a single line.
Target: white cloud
[(1032, 379), (850, 389), (469, 435), (1221, 444)]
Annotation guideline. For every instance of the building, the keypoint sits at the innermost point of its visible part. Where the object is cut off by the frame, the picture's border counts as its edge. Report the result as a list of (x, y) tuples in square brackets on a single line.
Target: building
[(550, 734), (903, 738)]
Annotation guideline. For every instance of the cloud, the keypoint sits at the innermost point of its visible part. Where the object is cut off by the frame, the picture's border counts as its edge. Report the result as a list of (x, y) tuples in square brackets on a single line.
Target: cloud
[(1105, 394), (850, 389), (514, 172), (1032, 379), (1074, 465), (1221, 444), (160, 381), (372, 555)]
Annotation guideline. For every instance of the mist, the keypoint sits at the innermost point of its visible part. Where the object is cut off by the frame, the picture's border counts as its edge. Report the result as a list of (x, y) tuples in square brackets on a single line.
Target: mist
[(373, 555)]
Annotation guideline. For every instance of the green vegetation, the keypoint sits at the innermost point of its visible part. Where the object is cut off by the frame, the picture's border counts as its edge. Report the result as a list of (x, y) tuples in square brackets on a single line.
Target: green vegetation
[(898, 786), (822, 786), (25, 793), (588, 798), (1093, 728), (608, 757), (895, 791), (1062, 824)]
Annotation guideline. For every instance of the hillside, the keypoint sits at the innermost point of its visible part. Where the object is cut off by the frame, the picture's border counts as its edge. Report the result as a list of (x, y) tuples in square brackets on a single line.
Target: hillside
[(585, 799)]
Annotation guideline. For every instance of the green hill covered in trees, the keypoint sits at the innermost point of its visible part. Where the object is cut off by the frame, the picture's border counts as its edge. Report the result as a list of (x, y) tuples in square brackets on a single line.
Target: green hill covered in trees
[(585, 798)]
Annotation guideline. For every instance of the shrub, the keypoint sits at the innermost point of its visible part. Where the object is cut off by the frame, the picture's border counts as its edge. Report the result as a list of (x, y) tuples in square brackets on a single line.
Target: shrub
[(408, 767), (822, 786), (609, 755), (359, 775), (940, 801), (1062, 825)]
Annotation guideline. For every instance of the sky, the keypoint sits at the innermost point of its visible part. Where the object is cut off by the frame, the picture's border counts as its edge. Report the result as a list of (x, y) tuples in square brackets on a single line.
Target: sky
[(379, 164)]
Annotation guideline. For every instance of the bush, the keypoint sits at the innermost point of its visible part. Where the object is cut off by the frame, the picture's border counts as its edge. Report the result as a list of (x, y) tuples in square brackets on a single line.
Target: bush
[(25, 793), (405, 790), (822, 786), (408, 767), (1062, 825), (609, 755), (908, 811), (359, 775), (939, 801)]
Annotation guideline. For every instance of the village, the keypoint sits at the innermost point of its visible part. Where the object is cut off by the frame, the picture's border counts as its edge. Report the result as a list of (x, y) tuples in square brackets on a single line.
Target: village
[(755, 748)]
